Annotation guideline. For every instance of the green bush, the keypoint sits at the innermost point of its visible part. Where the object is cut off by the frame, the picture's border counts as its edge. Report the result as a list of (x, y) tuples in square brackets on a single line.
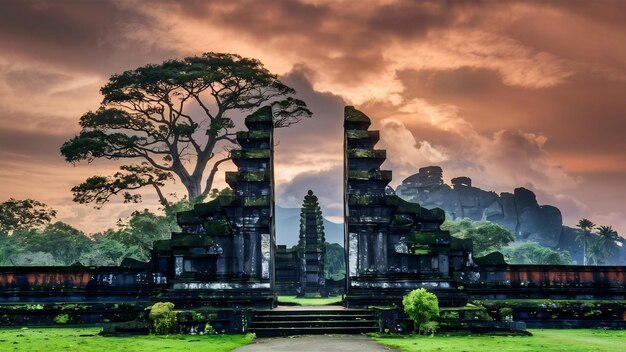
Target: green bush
[(208, 329), (421, 306), (429, 328), (163, 317), (506, 314), (62, 319)]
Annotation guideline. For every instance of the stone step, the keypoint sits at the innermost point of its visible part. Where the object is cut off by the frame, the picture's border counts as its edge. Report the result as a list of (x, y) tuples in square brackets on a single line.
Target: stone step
[(316, 317), (268, 332), (319, 311), (314, 323), (319, 320)]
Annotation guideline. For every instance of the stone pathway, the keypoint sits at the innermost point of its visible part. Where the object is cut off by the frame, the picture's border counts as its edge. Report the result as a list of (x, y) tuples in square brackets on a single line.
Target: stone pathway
[(316, 343)]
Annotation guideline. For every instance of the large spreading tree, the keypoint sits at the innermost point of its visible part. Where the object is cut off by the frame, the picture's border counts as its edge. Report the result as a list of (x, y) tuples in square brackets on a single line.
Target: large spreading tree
[(173, 119)]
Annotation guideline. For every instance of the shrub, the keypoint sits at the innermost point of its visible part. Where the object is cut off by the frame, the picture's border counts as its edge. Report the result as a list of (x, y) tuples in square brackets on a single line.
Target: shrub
[(208, 329), (421, 306), (163, 317), (506, 314), (62, 319), (429, 328)]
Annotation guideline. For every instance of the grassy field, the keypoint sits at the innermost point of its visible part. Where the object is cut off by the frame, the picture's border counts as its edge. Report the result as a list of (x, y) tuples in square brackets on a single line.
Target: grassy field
[(86, 339), (570, 340), (309, 301)]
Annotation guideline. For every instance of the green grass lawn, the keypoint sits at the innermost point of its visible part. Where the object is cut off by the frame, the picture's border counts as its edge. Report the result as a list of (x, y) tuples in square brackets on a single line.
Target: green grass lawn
[(570, 340), (309, 301), (86, 339)]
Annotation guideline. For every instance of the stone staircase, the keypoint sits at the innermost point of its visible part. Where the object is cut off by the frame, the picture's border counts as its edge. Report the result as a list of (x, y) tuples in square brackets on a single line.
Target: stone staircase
[(308, 320)]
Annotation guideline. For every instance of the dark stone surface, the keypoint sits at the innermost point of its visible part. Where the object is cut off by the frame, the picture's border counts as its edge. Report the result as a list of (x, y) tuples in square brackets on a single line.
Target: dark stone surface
[(393, 246), (311, 249)]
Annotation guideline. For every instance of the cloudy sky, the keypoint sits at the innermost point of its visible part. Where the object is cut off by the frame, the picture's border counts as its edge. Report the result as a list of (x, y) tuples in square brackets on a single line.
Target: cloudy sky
[(509, 93)]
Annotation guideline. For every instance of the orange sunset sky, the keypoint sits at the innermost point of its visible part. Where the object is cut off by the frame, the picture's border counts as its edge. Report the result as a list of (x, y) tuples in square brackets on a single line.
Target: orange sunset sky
[(509, 93)]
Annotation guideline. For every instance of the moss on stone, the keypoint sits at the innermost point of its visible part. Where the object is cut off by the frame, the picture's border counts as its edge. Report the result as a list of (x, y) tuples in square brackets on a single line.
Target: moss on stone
[(426, 238), (495, 258), (250, 154), (383, 175), (204, 209), (189, 240), (216, 227), (243, 135), (402, 205), (263, 114), (363, 199), (259, 201), (353, 115), (367, 153)]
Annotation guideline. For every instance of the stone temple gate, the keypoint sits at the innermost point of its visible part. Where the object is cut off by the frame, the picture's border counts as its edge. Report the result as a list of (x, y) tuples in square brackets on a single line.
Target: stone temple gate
[(225, 255)]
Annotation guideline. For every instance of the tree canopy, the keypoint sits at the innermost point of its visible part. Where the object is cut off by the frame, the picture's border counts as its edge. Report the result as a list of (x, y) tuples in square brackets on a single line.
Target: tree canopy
[(534, 253), (24, 213), (173, 118), (603, 245), (486, 236), (586, 226)]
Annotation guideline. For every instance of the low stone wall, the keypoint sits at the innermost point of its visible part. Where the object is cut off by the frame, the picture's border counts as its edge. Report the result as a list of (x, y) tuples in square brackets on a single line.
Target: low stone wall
[(546, 282), (77, 284), (562, 314), (60, 314)]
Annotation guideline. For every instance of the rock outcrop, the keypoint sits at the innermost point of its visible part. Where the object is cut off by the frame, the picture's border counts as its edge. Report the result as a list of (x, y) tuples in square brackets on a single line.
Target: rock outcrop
[(518, 211)]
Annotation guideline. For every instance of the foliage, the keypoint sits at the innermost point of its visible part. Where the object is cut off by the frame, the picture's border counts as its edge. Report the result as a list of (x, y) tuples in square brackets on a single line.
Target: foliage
[(334, 262), (57, 244), (26, 213), (429, 328), (209, 329), (87, 339), (603, 244), (534, 253), (62, 319), (32, 259), (586, 227), (505, 313), (106, 251), (140, 231), (172, 117), (457, 226), (486, 236), (163, 317), (421, 306), (61, 244)]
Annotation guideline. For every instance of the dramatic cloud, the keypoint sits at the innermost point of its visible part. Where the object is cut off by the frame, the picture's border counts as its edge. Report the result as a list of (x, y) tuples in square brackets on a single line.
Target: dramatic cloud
[(508, 93)]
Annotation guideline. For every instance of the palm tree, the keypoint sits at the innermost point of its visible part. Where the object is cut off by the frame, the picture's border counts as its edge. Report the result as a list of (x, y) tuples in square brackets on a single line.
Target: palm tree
[(586, 226), (607, 241)]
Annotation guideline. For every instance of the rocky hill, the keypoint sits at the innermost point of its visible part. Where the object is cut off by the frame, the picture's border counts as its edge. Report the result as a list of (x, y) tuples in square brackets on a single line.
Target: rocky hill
[(518, 211)]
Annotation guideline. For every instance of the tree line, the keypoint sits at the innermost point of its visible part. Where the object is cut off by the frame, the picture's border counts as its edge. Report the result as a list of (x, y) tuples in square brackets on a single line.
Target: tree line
[(29, 235), (599, 244)]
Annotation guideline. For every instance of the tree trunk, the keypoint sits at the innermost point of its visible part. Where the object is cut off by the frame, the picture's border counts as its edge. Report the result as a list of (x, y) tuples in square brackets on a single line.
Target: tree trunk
[(194, 189)]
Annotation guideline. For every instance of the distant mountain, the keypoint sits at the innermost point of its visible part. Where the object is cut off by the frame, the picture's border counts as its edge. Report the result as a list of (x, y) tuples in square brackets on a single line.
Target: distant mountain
[(288, 227)]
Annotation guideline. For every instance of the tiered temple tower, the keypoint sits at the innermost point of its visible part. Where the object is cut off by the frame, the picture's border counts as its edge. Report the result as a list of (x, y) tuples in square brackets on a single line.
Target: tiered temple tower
[(225, 254), (392, 246), (311, 250)]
